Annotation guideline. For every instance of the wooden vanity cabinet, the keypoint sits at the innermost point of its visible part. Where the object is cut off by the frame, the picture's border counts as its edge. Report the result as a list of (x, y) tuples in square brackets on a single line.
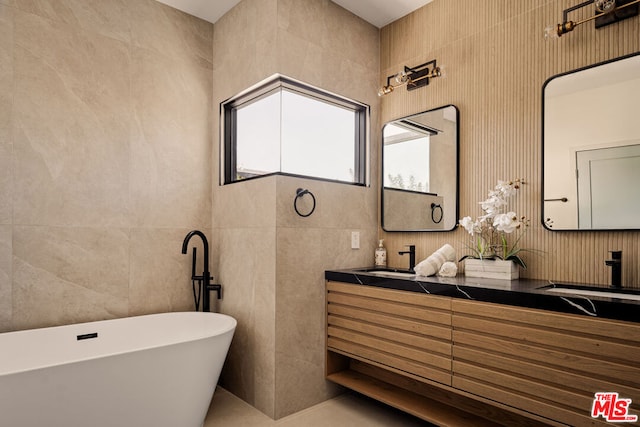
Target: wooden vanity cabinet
[(458, 362), (396, 347), (544, 362), (404, 330)]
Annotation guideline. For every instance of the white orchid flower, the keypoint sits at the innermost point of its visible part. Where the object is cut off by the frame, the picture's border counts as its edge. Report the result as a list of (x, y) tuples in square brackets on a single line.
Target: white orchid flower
[(468, 224), (507, 189), (507, 222)]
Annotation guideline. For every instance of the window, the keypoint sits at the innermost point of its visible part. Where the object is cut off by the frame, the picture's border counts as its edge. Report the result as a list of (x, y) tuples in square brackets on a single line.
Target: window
[(284, 126)]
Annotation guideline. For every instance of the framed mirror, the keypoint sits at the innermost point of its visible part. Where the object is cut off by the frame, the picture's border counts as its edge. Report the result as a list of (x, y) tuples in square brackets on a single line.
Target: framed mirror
[(591, 147), (420, 171)]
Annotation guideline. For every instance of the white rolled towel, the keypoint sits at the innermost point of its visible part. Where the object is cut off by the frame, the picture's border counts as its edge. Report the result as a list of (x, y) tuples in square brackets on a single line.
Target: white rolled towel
[(432, 264), (448, 269)]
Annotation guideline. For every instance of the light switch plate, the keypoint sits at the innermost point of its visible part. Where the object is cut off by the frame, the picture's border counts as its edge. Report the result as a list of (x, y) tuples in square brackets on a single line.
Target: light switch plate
[(355, 240)]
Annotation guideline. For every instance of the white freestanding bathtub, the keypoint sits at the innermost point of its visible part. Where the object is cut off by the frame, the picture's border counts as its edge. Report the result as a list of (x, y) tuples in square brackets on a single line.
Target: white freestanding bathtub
[(155, 370)]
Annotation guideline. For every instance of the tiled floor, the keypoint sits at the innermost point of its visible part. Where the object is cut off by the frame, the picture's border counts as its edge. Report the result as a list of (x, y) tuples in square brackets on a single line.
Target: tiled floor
[(348, 410)]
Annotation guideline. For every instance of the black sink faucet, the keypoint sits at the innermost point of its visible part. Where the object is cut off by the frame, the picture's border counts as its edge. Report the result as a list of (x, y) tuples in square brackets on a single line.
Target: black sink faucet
[(205, 279), (412, 256), (616, 268)]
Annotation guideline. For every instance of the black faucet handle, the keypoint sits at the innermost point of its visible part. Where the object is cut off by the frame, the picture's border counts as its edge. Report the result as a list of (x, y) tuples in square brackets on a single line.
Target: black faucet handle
[(616, 254), (215, 287)]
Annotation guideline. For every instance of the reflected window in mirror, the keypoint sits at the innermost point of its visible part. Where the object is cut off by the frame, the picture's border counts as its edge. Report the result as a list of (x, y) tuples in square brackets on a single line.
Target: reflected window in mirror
[(420, 172), (591, 147), (406, 156)]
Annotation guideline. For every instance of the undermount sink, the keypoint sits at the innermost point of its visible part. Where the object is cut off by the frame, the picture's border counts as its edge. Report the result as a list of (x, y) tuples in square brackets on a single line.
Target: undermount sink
[(387, 272), (593, 292)]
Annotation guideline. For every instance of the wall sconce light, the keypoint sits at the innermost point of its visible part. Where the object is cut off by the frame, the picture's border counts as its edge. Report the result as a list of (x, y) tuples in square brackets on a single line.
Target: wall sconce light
[(606, 12), (413, 78)]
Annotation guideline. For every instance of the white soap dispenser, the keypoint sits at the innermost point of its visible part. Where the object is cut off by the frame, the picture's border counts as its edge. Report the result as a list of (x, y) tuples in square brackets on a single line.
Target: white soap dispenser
[(381, 255)]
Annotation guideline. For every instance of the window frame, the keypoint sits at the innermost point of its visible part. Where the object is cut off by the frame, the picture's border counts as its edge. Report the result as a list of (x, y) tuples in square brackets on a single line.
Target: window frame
[(276, 83)]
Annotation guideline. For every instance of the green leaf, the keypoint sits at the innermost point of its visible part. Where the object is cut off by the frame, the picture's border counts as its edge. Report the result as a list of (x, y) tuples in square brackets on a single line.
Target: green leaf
[(518, 260)]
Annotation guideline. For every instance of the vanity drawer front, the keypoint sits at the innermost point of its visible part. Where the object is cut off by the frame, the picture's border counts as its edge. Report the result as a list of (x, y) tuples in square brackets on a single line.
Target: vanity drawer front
[(406, 331), (542, 362)]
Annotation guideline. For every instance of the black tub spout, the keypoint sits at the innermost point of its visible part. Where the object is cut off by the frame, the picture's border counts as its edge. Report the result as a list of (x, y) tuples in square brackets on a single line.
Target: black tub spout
[(205, 279)]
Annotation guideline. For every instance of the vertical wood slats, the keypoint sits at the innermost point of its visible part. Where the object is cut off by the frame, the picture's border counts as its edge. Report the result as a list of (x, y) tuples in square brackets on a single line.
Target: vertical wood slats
[(403, 330), (540, 361), (496, 61)]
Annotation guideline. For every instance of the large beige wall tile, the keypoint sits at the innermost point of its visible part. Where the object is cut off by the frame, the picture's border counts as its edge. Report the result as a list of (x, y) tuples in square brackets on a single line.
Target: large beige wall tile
[(304, 253), (300, 320), (331, 27), (170, 32), (78, 142), (6, 106), (6, 176), (247, 274), (337, 205), (170, 142), (6, 65), (160, 275), (246, 204), (111, 18), (244, 47), (301, 384), (71, 126), (69, 275), (311, 63), (6, 305)]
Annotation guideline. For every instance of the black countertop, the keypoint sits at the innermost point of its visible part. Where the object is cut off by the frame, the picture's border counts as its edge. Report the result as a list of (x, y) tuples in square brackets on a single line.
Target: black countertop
[(520, 293)]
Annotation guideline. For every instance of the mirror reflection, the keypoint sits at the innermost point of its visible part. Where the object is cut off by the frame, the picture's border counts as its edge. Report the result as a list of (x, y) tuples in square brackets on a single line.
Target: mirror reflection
[(591, 162), (420, 172)]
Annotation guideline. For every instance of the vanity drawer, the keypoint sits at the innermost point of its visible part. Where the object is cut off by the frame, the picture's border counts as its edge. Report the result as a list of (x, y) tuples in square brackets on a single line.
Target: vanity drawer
[(544, 362), (403, 330)]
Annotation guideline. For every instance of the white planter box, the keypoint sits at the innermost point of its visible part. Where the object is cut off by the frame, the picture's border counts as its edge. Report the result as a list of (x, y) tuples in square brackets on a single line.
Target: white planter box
[(491, 269)]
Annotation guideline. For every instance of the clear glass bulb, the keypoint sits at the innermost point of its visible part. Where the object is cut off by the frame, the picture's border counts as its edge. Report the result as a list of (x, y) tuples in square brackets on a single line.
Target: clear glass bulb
[(385, 90), (605, 6), (402, 77), (551, 32)]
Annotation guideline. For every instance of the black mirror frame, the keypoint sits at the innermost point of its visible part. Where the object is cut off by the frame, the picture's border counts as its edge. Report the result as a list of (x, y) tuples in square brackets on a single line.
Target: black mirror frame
[(542, 180), (457, 198)]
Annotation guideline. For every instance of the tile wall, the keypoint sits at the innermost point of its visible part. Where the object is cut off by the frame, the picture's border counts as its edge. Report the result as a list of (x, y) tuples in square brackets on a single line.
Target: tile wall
[(105, 151), (271, 261)]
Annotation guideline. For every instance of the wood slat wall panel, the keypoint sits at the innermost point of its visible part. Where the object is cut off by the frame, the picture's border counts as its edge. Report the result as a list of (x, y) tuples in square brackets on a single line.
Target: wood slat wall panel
[(496, 62)]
